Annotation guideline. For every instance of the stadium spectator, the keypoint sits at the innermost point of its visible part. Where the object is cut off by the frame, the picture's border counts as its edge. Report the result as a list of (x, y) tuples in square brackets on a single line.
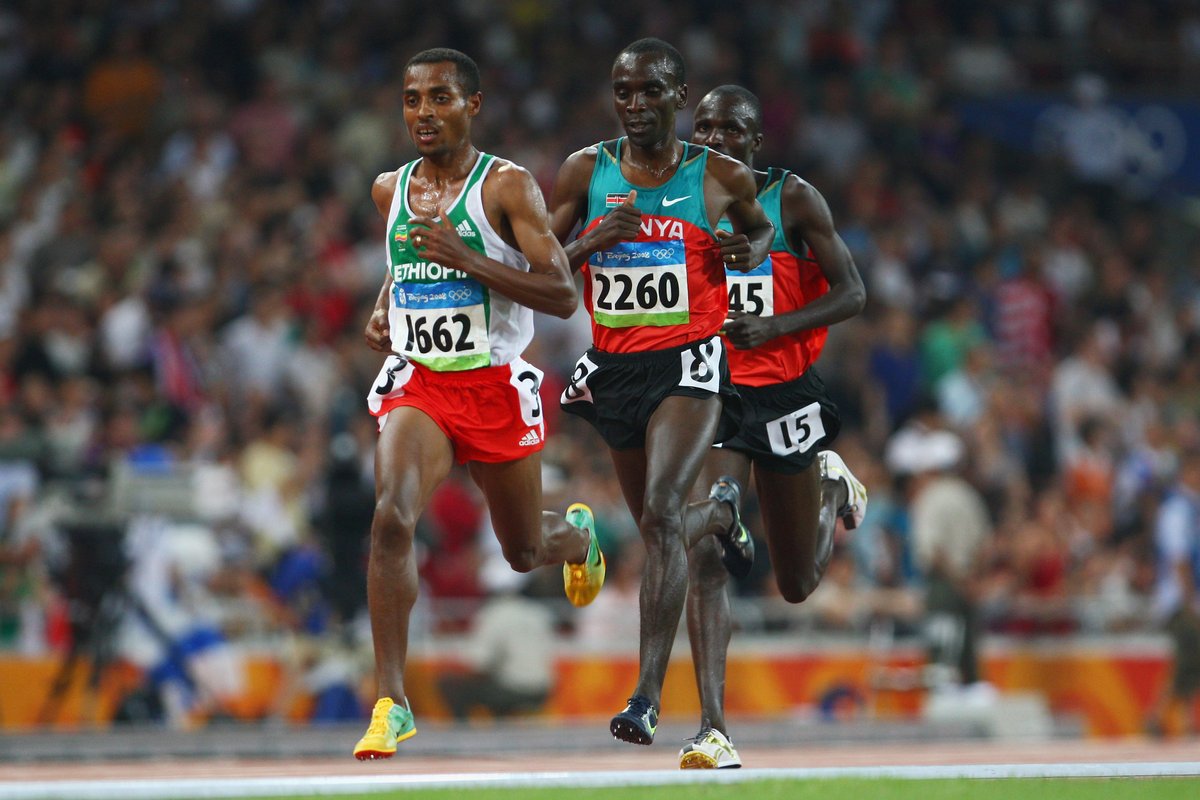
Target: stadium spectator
[(950, 528), (1176, 603), (505, 675)]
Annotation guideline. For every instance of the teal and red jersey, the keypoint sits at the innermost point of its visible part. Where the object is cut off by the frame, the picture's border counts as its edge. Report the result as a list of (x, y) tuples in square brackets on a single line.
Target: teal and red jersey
[(785, 281), (667, 287)]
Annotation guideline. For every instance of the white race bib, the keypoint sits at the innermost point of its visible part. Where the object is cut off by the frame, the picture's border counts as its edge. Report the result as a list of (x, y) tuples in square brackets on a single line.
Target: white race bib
[(796, 432), (441, 325), (753, 291), (640, 283)]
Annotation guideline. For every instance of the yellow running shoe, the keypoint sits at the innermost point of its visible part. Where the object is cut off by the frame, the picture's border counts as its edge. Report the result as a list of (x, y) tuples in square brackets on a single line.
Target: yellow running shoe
[(582, 582), (390, 723)]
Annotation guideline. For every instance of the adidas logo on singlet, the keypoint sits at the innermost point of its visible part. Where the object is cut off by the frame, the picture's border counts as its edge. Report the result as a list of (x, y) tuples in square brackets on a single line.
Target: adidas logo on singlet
[(529, 439), (465, 230)]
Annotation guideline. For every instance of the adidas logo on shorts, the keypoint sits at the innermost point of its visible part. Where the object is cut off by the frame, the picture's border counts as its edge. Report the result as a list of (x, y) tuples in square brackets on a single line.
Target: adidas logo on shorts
[(529, 439)]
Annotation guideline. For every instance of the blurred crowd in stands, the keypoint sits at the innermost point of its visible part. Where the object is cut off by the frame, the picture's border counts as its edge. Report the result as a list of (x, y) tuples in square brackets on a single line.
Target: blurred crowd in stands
[(189, 253)]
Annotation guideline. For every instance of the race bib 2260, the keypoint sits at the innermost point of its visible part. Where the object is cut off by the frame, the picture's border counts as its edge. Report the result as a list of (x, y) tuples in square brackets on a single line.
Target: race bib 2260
[(640, 283)]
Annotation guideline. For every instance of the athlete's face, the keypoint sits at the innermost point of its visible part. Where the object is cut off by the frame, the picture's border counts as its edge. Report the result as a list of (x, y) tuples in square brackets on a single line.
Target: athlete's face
[(726, 124), (646, 95), (437, 111)]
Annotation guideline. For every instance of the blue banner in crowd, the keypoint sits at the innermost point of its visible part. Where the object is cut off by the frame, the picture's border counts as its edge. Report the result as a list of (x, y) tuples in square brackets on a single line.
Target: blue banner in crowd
[(1144, 145)]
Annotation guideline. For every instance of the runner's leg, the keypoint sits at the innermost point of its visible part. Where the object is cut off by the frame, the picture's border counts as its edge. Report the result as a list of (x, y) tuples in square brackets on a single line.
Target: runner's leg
[(799, 514), (678, 436), (708, 616), (529, 537), (412, 457)]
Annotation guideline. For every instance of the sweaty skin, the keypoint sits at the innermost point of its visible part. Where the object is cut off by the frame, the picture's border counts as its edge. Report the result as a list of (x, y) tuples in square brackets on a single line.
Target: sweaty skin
[(413, 455), (657, 478)]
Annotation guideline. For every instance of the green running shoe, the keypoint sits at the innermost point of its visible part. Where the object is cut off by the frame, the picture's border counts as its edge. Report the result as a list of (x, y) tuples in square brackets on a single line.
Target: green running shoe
[(582, 582)]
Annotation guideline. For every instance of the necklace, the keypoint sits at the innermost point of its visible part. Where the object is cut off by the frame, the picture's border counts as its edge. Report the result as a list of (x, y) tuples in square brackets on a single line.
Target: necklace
[(657, 172)]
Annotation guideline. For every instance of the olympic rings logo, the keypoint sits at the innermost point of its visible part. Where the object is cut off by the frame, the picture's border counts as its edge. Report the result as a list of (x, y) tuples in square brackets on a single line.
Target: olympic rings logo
[(459, 294), (662, 252)]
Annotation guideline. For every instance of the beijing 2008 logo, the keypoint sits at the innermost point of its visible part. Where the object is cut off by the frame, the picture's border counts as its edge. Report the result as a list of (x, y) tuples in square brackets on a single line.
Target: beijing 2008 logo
[(1138, 147)]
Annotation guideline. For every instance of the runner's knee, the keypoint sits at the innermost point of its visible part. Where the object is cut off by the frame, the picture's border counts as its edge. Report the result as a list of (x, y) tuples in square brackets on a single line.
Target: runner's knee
[(661, 524), (392, 523), (797, 586), (522, 559), (705, 569)]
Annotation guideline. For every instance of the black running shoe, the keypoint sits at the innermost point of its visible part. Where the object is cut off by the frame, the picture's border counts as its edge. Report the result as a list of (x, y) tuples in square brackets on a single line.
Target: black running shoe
[(637, 723), (737, 546)]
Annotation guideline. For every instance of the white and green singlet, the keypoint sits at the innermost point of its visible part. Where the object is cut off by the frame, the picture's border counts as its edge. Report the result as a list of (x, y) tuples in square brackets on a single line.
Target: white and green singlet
[(439, 316)]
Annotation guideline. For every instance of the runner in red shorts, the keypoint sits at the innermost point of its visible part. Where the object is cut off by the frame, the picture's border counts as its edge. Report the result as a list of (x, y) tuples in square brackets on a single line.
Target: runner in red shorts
[(469, 254)]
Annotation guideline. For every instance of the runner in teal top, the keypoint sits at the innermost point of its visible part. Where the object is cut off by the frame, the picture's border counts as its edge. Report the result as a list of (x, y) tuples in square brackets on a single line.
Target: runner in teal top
[(656, 390)]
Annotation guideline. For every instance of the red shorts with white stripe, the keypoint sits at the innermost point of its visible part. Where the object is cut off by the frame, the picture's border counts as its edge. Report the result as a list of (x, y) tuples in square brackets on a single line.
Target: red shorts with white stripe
[(491, 414)]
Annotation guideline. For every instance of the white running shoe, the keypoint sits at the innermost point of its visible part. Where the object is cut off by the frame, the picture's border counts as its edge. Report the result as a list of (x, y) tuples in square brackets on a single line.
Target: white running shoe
[(833, 468), (710, 749)]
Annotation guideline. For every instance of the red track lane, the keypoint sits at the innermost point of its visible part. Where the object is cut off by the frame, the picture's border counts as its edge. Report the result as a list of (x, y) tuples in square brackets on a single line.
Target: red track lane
[(635, 758)]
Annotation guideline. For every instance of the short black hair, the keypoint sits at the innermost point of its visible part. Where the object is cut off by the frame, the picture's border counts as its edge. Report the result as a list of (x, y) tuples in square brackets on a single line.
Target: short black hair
[(747, 97), (464, 65), (658, 47)]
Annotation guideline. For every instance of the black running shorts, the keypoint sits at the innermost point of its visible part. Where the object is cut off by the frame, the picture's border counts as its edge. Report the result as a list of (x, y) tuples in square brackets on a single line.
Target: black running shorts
[(784, 425), (618, 392)]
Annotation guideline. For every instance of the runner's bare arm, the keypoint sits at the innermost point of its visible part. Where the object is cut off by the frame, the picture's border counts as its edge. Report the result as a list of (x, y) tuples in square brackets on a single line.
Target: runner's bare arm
[(547, 287), (377, 332), (382, 191), (530, 225), (807, 223), (568, 205), (730, 187)]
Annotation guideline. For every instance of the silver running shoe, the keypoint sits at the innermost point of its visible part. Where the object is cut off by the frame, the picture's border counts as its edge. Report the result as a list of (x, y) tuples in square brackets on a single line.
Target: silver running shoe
[(709, 749), (833, 468)]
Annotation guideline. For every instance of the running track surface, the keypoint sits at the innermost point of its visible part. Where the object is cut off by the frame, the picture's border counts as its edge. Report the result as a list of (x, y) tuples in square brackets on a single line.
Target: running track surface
[(633, 759)]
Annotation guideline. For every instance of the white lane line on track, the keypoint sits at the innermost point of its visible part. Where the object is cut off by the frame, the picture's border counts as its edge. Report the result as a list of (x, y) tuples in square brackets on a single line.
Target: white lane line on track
[(197, 788)]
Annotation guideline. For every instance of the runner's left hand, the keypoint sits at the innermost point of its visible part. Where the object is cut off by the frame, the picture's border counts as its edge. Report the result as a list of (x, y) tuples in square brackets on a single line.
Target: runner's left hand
[(735, 250), (745, 331)]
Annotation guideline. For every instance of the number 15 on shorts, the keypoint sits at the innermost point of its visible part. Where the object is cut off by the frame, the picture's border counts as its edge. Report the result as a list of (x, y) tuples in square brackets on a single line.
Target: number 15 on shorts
[(796, 432)]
